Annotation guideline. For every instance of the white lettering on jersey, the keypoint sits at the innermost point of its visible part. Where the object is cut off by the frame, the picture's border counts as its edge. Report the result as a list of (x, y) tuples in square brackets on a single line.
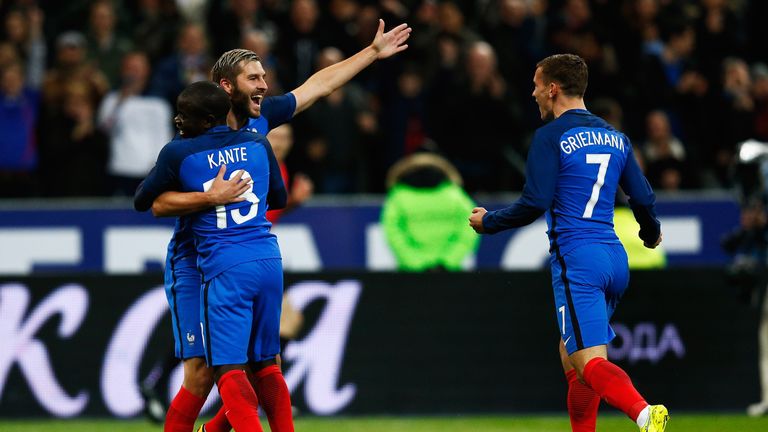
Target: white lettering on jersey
[(227, 156), (570, 143)]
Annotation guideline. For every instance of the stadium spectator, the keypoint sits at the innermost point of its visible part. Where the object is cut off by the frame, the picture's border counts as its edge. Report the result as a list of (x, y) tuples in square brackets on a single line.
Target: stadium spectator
[(760, 94), (340, 24), (442, 48), (644, 35), (609, 110), (404, 122), (24, 30), (478, 95), (423, 215), (73, 151), (300, 187), (665, 155), (574, 31), (8, 55), (512, 35), (587, 289), (300, 43), (190, 63), (668, 75), (106, 46), (732, 116), (157, 24), (229, 22), (71, 66), (719, 34), (138, 125), (18, 119), (331, 144)]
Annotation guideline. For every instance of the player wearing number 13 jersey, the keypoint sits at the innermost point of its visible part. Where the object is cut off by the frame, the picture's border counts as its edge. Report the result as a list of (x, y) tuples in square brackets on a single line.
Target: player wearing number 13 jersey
[(238, 257), (575, 165)]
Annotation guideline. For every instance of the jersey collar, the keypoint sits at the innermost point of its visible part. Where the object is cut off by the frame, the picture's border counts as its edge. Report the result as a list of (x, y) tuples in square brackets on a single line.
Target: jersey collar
[(218, 129), (577, 111)]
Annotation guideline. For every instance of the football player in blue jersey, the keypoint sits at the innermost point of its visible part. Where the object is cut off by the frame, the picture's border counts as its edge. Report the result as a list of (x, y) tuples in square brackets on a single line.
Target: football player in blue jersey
[(240, 73), (575, 164), (238, 257)]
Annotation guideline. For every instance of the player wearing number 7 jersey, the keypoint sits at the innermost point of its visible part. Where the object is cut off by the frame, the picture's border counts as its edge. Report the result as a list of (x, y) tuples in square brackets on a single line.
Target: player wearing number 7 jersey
[(575, 165)]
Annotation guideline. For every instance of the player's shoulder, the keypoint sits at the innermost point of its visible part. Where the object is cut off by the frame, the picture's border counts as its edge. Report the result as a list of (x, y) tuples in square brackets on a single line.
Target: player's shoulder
[(248, 136), (285, 99), (572, 120), (252, 135), (550, 132), (175, 146)]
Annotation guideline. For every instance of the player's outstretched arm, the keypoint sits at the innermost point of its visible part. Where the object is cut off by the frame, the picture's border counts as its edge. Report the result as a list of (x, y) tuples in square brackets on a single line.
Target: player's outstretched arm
[(325, 81), (172, 203)]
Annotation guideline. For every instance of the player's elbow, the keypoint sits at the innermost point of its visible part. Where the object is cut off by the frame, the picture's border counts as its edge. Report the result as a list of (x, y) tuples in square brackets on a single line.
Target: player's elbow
[(159, 210), (278, 200), (278, 204), (140, 204)]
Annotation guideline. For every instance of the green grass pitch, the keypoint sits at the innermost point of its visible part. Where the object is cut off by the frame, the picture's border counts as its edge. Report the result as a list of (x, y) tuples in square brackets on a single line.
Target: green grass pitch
[(522, 423)]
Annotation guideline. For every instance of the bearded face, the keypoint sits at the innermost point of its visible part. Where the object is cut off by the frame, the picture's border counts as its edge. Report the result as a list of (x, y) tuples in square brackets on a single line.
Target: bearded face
[(248, 90)]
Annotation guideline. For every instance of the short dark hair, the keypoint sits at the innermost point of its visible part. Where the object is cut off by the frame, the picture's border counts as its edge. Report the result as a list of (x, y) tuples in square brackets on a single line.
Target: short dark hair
[(567, 70), (230, 64), (205, 98)]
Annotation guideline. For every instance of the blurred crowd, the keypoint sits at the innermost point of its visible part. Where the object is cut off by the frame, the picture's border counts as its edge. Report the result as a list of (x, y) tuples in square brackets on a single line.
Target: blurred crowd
[(88, 87)]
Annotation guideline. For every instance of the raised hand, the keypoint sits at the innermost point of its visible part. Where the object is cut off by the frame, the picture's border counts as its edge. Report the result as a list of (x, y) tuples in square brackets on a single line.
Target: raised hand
[(392, 42)]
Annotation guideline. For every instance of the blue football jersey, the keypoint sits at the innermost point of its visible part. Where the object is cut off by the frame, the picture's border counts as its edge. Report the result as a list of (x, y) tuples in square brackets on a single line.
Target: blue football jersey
[(275, 110), (224, 235), (592, 158), (575, 165)]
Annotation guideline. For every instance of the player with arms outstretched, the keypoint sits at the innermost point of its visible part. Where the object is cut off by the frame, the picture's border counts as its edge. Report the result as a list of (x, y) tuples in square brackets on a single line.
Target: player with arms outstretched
[(575, 165), (240, 73), (239, 259)]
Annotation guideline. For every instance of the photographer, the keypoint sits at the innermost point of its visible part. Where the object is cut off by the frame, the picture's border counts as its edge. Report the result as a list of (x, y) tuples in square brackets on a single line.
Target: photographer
[(748, 244)]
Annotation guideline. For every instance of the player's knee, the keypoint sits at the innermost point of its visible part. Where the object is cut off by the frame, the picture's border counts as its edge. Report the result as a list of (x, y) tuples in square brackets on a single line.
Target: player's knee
[(199, 382), (579, 373), (220, 371), (257, 366)]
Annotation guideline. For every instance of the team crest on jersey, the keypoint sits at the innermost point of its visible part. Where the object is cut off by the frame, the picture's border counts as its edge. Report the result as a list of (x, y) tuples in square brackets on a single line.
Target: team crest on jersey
[(190, 338), (252, 129)]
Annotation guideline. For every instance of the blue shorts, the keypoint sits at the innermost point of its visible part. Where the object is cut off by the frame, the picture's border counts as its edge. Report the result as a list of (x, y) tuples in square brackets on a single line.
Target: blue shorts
[(588, 283), (241, 313), (182, 288)]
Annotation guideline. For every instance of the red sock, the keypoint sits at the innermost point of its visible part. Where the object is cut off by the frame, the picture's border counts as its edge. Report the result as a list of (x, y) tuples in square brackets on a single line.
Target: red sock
[(614, 385), (275, 398), (582, 404), (219, 422), (183, 412), (242, 406)]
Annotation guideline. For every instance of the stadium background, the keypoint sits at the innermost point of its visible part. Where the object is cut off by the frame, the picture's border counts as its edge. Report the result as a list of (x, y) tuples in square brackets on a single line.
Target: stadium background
[(80, 311)]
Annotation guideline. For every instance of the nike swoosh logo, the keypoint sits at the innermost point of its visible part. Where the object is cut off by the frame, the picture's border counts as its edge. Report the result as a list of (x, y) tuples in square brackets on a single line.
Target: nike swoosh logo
[(566, 341)]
